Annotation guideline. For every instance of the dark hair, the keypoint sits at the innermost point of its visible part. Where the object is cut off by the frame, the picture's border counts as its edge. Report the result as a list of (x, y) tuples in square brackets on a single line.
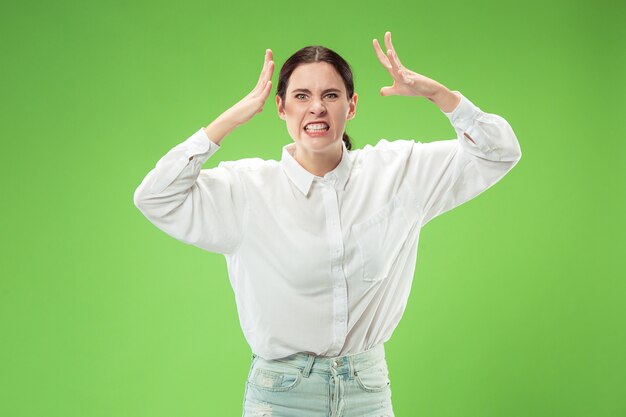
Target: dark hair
[(317, 53)]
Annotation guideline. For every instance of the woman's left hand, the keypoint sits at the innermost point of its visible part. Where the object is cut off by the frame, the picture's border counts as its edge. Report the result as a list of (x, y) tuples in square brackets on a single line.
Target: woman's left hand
[(405, 81)]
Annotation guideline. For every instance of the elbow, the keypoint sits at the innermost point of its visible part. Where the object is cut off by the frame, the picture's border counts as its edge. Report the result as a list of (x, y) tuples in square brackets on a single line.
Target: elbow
[(511, 151), (139, 198), (516, 151), (493, 139)]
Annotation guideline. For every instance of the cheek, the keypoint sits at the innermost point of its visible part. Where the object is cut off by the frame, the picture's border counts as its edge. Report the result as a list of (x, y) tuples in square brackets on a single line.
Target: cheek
[(341, 111), (293, 126)]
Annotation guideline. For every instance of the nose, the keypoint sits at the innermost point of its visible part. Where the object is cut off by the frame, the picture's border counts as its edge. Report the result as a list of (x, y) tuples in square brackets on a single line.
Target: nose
[(317, 106)]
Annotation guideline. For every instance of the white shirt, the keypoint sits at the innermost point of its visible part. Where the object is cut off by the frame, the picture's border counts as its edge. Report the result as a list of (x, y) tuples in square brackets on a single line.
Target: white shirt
[(324, 265)]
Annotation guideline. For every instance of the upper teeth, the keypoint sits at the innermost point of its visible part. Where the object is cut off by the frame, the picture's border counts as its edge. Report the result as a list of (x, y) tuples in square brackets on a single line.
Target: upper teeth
[(316, 126)]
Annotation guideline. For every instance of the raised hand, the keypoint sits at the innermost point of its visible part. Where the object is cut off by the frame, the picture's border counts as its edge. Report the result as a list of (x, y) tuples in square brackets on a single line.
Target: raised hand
[(253, 103), (405, 81), (246, 108)]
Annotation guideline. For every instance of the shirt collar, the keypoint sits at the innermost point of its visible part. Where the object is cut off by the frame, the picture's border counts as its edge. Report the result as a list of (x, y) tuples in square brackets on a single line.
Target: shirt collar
[(303, 178)]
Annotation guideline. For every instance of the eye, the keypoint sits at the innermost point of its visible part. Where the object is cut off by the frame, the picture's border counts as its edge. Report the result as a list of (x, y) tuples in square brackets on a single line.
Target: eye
[(332, 94), (298, 95)]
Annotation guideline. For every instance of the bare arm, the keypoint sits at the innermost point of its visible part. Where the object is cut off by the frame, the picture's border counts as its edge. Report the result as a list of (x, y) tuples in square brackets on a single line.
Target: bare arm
[(410, 83), (246, 108)]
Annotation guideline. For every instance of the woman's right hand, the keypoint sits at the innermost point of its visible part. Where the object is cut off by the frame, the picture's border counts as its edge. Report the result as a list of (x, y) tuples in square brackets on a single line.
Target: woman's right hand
[(253, 103), (246, 108)]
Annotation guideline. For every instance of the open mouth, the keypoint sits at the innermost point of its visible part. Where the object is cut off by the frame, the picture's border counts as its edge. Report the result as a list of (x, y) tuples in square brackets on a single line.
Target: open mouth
[(316, 127)]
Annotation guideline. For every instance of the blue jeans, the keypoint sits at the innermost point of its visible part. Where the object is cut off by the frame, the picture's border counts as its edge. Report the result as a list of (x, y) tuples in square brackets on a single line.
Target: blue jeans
[(305, 385)]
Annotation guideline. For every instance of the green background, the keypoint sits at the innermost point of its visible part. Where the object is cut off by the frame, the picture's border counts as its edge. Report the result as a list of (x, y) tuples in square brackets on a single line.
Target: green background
[(518, 307)]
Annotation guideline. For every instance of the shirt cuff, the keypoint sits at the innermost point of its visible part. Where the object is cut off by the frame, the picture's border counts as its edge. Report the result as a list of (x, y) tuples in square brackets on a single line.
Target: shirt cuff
[(197, 147), (465, 110), (200, 144), (466, 119)]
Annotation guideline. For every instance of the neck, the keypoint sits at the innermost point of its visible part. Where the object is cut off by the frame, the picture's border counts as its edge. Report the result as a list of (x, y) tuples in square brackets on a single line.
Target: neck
[(319, 163)]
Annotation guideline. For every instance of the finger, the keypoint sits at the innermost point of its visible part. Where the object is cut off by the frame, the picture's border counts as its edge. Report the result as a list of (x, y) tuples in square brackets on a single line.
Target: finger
[(395, 68), (270, 64), (388, 91), (388, 40), (264, 94), (389, 45), (268, 55), (259, 90), (260, 80), (382, 58), (268, 70), (266, 61), (266, 91)]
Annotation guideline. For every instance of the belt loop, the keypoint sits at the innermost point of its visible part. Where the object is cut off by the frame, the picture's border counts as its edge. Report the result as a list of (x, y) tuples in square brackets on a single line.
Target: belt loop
[(309, 365), (351, 367)]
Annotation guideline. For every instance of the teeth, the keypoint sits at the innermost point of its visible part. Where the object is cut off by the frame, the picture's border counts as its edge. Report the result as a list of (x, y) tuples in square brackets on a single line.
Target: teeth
[(317, 126)]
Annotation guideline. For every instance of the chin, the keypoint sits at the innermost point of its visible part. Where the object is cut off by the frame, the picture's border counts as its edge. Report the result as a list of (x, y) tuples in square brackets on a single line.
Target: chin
[(318, 144)]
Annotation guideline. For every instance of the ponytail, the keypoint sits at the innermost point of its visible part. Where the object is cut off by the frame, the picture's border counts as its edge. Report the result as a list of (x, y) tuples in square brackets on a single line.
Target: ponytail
[(346, 140)]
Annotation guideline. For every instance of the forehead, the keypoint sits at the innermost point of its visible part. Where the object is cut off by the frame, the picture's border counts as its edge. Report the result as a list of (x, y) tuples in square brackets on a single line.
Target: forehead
[(315, 76)]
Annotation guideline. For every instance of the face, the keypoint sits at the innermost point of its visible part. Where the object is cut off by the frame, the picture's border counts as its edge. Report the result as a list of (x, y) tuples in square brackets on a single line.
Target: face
[(316, 92)]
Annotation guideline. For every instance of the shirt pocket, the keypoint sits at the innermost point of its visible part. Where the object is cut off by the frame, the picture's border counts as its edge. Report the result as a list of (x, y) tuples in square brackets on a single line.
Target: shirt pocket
[(381, 237)]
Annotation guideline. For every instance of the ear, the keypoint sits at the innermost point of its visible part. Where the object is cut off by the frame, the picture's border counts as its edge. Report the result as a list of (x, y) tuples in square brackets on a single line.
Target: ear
[(280, 107), (352, 106)]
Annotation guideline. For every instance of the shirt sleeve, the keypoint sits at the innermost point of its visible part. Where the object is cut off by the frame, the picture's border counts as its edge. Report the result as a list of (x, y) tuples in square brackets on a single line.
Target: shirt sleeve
[(201, 207), (445, 174)]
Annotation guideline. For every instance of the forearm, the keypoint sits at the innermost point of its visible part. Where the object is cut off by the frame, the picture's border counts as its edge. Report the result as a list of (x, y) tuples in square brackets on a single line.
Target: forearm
[(219, 128), (445, 99)]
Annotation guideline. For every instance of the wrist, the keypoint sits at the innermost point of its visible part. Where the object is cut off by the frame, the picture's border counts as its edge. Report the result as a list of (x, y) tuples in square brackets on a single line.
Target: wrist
[(439, 91), (219, 128), (445, 99)]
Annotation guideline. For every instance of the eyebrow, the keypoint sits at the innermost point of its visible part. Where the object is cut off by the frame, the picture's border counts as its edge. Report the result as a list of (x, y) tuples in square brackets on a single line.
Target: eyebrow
[(304, 90)]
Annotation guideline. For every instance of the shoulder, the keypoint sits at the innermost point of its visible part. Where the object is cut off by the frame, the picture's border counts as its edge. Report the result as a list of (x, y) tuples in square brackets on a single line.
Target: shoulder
[(250, 165), (387, 146), (385, 149)]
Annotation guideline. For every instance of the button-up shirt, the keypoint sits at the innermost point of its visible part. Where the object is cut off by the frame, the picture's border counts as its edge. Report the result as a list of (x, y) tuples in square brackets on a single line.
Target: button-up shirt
[(324, 265)]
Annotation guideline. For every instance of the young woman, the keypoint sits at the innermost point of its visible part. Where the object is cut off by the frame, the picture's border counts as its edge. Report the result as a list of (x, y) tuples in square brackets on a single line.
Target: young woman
[(321, 246)]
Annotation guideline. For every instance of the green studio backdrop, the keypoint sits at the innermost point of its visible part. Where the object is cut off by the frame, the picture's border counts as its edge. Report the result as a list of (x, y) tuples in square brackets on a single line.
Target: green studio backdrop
[(518, 303)]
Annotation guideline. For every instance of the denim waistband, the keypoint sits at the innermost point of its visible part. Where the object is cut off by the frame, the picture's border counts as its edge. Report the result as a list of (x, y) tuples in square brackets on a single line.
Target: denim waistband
[(348, 364)]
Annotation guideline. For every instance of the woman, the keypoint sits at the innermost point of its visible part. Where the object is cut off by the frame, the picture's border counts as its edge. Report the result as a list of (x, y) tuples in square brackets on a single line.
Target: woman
[(321, 246)]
